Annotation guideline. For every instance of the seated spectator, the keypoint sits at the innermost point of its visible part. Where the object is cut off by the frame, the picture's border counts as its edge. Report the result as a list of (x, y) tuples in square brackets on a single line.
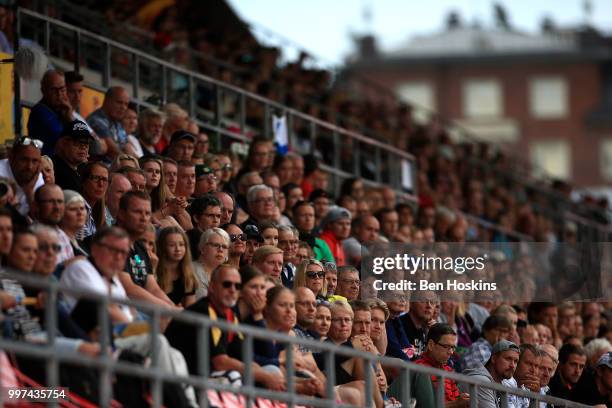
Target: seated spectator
[(269, 232), (348, 283), (148, 133), (454, 313), (205, 213), (419, 319), (364, 230), (49, 116), (47, 170), (49, 209), (596, 390), (181, 146), (254, 241), (252, 299), (572, 361), (283, 167), (500, 366), (74, 90), (94, 181), (136, 176), (206, 180), (6, 234), (224, 347), (288, 242), (185, 180), (320, 199), (526, 375), (331, 277), (237, 244), (106, 121), (548, 365), (130, 123), (306, 308), (304, 221), (322, 321), (311, 274), (201, 148), (117, 187), (336, 227), (380, 314), (441, 344), (137, 274), (227, 206), (174, 270), (71, 151), (170, 168), (494, 329), (269, 260), (213, 249), (22, 255), (23, 166), (176, 119), (73, 222), (260, 200)]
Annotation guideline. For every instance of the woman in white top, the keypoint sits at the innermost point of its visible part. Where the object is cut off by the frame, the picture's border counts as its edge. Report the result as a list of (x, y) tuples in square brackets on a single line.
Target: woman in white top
[(214, 245)]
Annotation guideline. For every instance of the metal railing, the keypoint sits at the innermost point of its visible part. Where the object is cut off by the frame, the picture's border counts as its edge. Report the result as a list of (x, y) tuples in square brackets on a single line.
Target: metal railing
[(107, 366), (206, 100)]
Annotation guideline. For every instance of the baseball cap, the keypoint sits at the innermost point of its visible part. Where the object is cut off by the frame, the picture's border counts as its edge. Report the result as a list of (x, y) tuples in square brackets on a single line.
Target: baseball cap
[(504, 345), (77, 130), (252, 233), (335, 213), (180, 135), (605, 360), (203, 170)]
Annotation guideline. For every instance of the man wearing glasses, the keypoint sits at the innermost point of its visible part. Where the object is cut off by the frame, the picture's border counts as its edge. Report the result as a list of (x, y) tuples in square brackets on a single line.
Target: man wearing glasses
[(72, 150), (23, 166), (441, 345), (419, 319)]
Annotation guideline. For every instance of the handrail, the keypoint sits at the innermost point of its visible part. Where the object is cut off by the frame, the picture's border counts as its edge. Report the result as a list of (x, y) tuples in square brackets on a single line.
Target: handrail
[(105, 362)]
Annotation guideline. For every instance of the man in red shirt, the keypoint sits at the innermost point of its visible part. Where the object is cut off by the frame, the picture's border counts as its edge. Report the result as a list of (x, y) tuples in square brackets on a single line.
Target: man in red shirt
[(336, 228), (441, 344)]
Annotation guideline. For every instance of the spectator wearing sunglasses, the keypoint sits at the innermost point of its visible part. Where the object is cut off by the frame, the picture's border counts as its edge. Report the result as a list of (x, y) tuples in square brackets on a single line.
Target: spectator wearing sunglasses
[(311, 274), (225, 347), (24, 166), (237, 246)]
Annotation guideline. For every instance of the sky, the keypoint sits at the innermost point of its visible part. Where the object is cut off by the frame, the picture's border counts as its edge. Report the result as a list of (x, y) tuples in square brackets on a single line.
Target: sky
[(325, 27)]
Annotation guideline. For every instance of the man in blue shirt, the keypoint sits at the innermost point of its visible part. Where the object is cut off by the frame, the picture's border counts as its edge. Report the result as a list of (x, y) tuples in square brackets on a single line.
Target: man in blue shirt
[(51, 113), (106, 121)]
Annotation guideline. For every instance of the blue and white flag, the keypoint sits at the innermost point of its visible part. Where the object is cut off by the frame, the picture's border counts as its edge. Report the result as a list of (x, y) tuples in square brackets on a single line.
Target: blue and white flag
[(281, 134)]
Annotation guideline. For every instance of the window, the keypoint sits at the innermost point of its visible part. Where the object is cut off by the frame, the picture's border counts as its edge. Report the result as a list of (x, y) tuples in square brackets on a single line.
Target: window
[(605, 159), (482, 98), (548, 97), (553, 157), (420, 95)]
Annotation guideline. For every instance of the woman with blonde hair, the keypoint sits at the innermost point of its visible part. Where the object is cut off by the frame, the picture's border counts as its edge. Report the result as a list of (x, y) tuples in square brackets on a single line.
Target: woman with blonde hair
[(311, 274), (47, 170), (124, 160), (174, 269), (269, 260)]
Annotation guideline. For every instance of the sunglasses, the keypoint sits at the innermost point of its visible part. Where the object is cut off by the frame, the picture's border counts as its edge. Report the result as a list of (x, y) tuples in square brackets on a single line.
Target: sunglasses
[(228, 284), (54, 247), (236, 237), (313, 275), (26, 141)]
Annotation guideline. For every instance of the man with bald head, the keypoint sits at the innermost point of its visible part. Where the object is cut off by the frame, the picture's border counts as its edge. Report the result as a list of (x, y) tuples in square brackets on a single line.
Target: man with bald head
[(106, 121), (52, 112), (306, 309), (119, 185)]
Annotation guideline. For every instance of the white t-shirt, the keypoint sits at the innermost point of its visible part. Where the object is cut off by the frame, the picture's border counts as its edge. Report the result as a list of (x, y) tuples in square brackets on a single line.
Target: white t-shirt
[(84, 276), (6, 171)]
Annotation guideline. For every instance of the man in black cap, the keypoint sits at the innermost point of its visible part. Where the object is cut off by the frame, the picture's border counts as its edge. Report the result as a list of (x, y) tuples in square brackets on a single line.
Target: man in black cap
[(181, 147), (71, 150), (206, 180)]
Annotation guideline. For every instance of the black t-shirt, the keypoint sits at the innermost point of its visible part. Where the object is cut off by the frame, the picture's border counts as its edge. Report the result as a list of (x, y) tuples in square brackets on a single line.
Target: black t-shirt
[(342, 376), (194, 235), (585, 391), (65, 176), (417, 337), (178, 293), (138, 264), (184, 337)]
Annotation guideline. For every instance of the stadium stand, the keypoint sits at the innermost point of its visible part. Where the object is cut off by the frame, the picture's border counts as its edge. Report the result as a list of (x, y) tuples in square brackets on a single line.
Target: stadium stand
[(244, 312)]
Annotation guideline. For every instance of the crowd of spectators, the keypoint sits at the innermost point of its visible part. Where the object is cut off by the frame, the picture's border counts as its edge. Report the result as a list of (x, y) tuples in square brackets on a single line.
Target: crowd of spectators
[(136, 204)]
